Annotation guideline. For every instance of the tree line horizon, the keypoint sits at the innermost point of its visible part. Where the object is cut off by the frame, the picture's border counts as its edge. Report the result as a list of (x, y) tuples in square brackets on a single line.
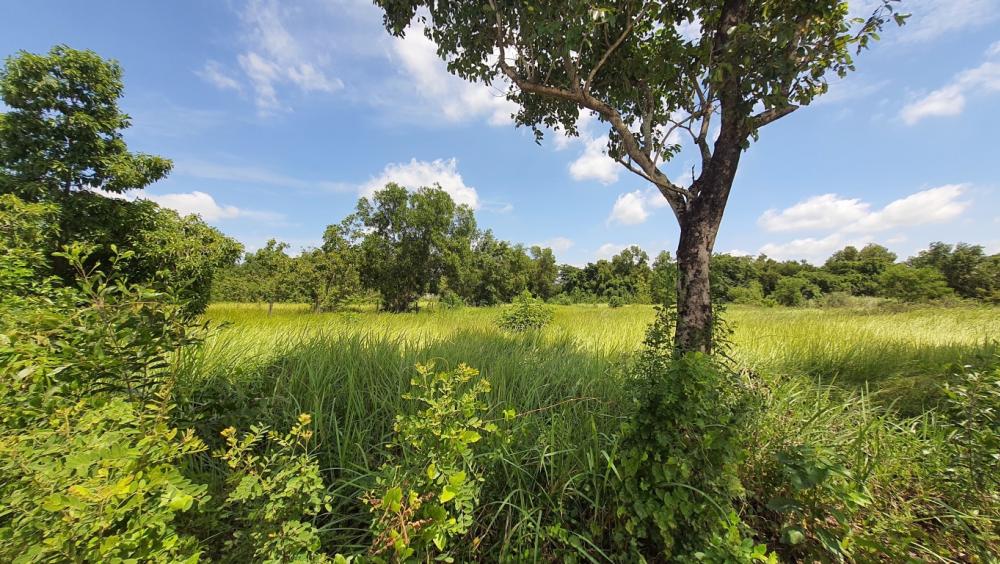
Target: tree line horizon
[(400, 246)]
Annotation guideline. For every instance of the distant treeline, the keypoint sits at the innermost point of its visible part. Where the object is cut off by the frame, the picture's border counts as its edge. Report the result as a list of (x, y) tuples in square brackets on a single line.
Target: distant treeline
[(401, 246)]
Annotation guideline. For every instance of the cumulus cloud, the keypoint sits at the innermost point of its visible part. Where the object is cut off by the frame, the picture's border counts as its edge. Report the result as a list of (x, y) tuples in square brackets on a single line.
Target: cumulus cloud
[(204, 205), (629, 209), (557, 244), (853, 221), (455, 98), (831, 212), (594, 163), (633, 208), (416, 174), (827, 211), (950, 99), (810, 248)]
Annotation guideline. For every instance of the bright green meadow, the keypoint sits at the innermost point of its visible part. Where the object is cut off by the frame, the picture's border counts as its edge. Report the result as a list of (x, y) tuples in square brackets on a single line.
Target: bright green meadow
[(860, 382)]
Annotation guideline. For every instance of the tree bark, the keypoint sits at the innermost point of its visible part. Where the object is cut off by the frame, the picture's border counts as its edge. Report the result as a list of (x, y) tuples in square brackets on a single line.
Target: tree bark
[(694, 296), (699, 225)]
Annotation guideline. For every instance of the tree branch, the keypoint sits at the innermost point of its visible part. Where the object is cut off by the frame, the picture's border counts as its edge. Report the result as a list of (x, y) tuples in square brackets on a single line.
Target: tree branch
[(774, 114)]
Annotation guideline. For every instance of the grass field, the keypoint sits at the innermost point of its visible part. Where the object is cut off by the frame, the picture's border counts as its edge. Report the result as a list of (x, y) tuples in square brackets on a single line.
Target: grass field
[(862, 382)]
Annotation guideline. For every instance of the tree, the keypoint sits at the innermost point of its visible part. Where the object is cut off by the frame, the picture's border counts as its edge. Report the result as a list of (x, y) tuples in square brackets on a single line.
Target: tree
[(663, 281), (794, 291), (913, 284), (409, 242), (270, 269), (328, 275), (627, 61), (966, 267), (63, 133), (543, 272)]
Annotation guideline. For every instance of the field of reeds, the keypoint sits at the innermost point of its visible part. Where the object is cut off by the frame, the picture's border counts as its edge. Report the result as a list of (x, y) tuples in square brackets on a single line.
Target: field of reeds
[(862, 384)]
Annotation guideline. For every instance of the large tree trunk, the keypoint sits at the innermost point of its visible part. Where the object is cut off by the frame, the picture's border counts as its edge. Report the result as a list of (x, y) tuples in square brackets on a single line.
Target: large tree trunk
[(699, 226), (694, 297)]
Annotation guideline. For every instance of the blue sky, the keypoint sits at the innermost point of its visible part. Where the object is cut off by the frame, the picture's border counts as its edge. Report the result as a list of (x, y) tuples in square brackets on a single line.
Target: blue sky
[(278, 115)]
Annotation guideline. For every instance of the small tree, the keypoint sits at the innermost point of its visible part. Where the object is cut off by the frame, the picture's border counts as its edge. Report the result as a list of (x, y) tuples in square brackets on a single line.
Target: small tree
[(270, 269), (409, 242), (912, 284), (543, 272), (751, 63), (328, 275)]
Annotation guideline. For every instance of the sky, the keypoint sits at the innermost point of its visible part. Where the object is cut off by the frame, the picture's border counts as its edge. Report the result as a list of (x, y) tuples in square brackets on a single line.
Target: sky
[(278, 116)]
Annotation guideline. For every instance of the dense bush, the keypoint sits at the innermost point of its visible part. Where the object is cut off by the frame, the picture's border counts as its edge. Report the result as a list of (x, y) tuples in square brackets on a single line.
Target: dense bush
[(679, 457), (525, 314)]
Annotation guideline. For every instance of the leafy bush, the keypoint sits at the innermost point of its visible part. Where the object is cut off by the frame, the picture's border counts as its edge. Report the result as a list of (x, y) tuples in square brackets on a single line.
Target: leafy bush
[(561, 299), (814, 501), (793, 291), (751, 294), (273, 494), (97, 481), (679, 457), (427, 492), (616, 302), (451, 300), (526, 313)]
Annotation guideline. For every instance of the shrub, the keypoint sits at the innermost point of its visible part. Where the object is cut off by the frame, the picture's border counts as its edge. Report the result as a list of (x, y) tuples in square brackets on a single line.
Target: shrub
[(679, 457), (273, 494), (565, 299), (751, 294), (451, 300), (793, 291), (427, 491), (525, 314), (616, 302), (813, 503), (97, 481)]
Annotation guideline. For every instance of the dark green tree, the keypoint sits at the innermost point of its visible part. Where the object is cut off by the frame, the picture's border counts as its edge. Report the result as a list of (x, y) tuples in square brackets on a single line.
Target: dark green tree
[(753, 62), (63, 133), (409, 242), (543, 272), (913, 284), (663, 279)]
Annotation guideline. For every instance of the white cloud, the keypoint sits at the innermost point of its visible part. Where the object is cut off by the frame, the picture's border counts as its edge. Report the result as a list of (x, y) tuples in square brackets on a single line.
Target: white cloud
[(274, 58), (811, 249), (827, 211), (936, 205), (204, 205), (608, 250), (852, 221), (931, 19), (455, 98), (949, 100), (594, 164), (557, 244), (416, 174), (831, 212), (214, 74), (633, 208), (629, 209)]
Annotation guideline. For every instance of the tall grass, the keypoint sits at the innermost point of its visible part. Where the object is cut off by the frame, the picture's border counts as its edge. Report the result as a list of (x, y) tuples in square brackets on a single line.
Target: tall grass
[(350, 369)]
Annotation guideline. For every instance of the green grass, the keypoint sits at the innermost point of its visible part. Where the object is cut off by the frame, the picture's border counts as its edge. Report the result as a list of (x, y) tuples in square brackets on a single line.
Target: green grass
[(350, 369)]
